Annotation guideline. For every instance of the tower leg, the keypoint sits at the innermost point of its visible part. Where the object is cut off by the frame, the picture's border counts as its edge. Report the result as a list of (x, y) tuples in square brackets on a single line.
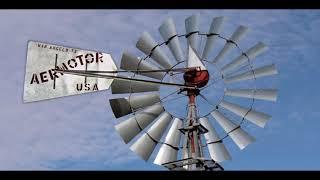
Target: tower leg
[(192, 145)]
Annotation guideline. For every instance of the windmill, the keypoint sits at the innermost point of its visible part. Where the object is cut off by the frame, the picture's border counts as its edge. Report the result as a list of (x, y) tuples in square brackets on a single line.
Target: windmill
[(149, 123)]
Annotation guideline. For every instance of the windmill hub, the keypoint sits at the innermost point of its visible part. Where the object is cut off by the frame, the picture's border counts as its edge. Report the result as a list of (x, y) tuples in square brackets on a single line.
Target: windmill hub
[(196, 77)]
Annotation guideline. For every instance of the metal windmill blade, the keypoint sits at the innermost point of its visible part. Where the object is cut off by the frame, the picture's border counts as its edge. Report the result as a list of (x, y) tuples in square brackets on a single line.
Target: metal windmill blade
[(152, 129)]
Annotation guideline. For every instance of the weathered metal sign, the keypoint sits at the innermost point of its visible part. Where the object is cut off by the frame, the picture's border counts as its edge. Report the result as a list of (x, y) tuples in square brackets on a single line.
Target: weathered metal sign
[(42, 82)]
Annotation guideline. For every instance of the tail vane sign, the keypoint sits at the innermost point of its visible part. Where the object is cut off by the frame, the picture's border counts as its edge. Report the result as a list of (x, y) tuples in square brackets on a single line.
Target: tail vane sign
[(42, 82)]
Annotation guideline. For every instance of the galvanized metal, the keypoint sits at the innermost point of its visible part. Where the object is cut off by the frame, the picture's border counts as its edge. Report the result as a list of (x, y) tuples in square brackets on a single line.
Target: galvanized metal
[(42, 82), (129, 128), (125, 106), (215, 28), (169, 34), (241, 138), (131, 62), (192, 28), (252, 74), (263, 94), (169, 149), (217, 150), (124, 86), (243, 59), (146, 44), (145, 145), (235, 38), (258, 118)]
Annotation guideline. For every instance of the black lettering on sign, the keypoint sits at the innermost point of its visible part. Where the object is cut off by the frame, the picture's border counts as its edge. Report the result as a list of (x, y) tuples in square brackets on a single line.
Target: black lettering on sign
[(43, 77), (89, 59), (80, 59), (95, 87), (42, 45), (87, 87), (53, 73), (79, 87), (74, 63), (64, 67), (99, 56), (34, 79)]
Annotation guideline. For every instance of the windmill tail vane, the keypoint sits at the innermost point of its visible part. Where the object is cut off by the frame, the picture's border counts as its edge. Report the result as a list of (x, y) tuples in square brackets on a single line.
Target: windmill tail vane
[(147, 122)]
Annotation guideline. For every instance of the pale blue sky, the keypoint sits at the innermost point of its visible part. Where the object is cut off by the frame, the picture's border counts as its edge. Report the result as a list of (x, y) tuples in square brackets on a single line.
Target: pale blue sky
[(77, 132)]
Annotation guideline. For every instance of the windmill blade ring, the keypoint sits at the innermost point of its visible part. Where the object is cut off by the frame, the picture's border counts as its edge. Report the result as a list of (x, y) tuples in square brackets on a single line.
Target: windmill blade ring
[(152, 118)]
